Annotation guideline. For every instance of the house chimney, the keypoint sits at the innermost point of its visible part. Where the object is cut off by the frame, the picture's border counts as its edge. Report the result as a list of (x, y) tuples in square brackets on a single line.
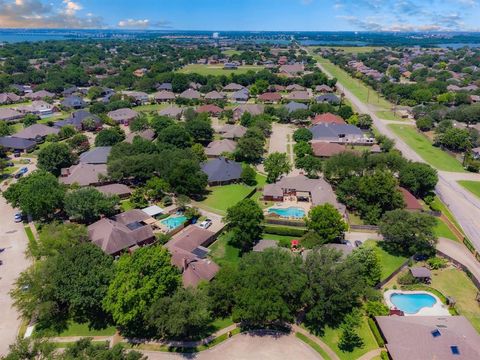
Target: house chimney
[(184, 264)]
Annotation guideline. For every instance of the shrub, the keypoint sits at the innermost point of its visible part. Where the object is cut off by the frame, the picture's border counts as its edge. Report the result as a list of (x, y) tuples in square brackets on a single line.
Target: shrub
[(406, 279), (286, 231), (384, 355), (436, 263), (376, 332), (167, 201), (376, 308)]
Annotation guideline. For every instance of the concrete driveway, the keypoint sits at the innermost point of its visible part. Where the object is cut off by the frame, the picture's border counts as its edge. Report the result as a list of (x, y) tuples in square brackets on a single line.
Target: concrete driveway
[(14, 240), (248, 347)]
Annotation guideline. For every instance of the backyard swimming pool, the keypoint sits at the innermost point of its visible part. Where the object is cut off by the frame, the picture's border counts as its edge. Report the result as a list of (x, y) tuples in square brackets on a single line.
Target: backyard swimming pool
[(412, 303), (291, 212), (174, 222)]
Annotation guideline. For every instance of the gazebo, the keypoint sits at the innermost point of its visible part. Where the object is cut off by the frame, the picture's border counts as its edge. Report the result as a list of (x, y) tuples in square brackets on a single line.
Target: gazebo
[(422, 274)]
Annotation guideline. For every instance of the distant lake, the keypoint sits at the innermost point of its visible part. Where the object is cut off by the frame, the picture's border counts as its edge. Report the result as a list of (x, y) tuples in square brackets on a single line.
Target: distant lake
[(459, 45), (332, 43), (11, 37)]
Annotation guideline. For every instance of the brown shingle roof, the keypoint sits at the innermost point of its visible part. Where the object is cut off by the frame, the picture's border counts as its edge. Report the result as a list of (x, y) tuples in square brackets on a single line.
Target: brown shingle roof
[(411, 202), (210, 108), (324, 149)]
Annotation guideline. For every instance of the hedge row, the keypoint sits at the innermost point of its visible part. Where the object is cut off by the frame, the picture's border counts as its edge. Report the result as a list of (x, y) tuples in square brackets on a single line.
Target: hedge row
[(286, 231), (376, 332)]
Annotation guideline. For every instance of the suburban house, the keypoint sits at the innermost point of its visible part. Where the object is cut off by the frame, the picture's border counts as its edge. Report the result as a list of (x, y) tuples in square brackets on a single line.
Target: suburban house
[(77, 120), (221, 171), (97, 155), (240, 96), (253, 109), (295, 87), (173, 112), (83, 174), (123, 116), (270, 97), (190, 94), (7, 114), (218, 147), (37, 107), (292, 70), (411, 202), (165, 86), (37, 132), (328, 118), (121, 190), (9, 98), (230, 131), (211, 109), (429, 337), (39, 95), (164, 96), (326, 150), (147, 134), (339, 133), (124, 232), (189, 254), (233, 87), (294, 106), (15, 144), (214, 95), (323, 89), (73, 102), (139, 97), (302, 96), (331, 99), (303, 189)]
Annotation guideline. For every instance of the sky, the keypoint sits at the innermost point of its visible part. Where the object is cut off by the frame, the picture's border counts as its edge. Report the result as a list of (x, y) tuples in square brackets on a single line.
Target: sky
[(255, 15)]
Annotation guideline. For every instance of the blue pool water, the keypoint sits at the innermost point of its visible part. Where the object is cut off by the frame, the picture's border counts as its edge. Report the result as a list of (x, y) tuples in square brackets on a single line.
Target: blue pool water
[(173, 222), (291, 212), (412, 303)]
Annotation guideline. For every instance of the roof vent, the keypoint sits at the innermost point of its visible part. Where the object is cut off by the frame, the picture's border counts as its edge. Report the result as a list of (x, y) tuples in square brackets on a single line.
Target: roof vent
[(436, 333)]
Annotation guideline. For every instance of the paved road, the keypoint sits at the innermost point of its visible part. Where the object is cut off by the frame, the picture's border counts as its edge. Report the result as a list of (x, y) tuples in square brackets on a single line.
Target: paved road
[(247, 347), (14, 240), (464, 205), (458, 252)]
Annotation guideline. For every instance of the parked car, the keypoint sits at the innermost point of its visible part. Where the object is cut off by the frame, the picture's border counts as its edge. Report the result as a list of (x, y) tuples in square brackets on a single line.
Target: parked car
[(206, 224), (23, 170), (18, 217), (16, 154), (18, 175), (358, 243)]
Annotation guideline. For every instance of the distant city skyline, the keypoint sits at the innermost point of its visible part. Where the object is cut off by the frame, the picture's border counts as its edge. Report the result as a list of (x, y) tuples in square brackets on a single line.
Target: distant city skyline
[(244, 15)]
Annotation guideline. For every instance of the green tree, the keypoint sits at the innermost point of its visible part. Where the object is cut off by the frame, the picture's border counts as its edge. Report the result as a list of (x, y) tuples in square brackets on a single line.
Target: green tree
[(371, 268), (302, 149), (138, 199), (54, 157), (79, 143), (327, 223), (138, 124), (409, 233), (199, 152), (38, 195), (419, 178), (424, 124), (275, 165), (310, 164), (66, 132), (245, 222), (88, 204), (249, 149), (5, 129), (249, 175), (175, 135), (364, 121), (187, 178), (156, 188), (302, 134), (140, 280), (200, 130), (31, 349), (159, 123), (349, 338), (109, 137), (185, 314), (30, 119)]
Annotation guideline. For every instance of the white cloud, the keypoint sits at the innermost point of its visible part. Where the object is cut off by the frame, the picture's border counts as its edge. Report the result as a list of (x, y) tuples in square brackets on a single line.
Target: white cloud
[(134, 24), (71, 7)]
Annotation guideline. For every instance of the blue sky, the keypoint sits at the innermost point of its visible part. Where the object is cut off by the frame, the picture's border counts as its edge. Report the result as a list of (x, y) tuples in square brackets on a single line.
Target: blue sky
[(277, 15)]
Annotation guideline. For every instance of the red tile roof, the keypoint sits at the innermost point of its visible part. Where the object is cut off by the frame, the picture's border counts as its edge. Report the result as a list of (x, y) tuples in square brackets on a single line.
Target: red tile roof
[(328, 118), (324, 149), (411, 202), (270, 96), (212, 109)]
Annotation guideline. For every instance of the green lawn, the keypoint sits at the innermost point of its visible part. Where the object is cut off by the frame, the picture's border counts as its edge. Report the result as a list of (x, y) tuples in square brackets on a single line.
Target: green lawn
[(442, 230), (389, 115), (126, 205), (332, 336), (389, 262), (438, 204), (453, 282), (423, 147), (223, 197), (152, 107), (28, 231), (217, 69), (472, 186), (232, 52), (351, 49), (313, 345), (76, 329), (223, 253)]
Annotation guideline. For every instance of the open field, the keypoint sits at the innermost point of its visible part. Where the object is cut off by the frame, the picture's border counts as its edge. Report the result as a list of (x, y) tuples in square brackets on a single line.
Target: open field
[(472, 186), (389, 262), (217, 69), (351, 49), (232, 52), (453, 282), (332, 336), (423, 147)]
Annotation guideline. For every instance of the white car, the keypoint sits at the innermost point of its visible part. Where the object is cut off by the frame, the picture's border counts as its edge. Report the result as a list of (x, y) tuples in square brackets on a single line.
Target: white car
[(18, 217), (206, 224)]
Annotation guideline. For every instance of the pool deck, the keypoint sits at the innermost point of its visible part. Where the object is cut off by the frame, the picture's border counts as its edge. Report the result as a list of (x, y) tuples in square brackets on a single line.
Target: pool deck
[(438, 309)]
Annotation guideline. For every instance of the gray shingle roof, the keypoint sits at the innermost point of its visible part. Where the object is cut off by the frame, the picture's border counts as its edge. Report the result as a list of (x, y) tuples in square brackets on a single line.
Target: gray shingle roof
[(36, 130), (221, 169), (98, 155), (329, 131), (293, 106), (15, 143), (329, 98)]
